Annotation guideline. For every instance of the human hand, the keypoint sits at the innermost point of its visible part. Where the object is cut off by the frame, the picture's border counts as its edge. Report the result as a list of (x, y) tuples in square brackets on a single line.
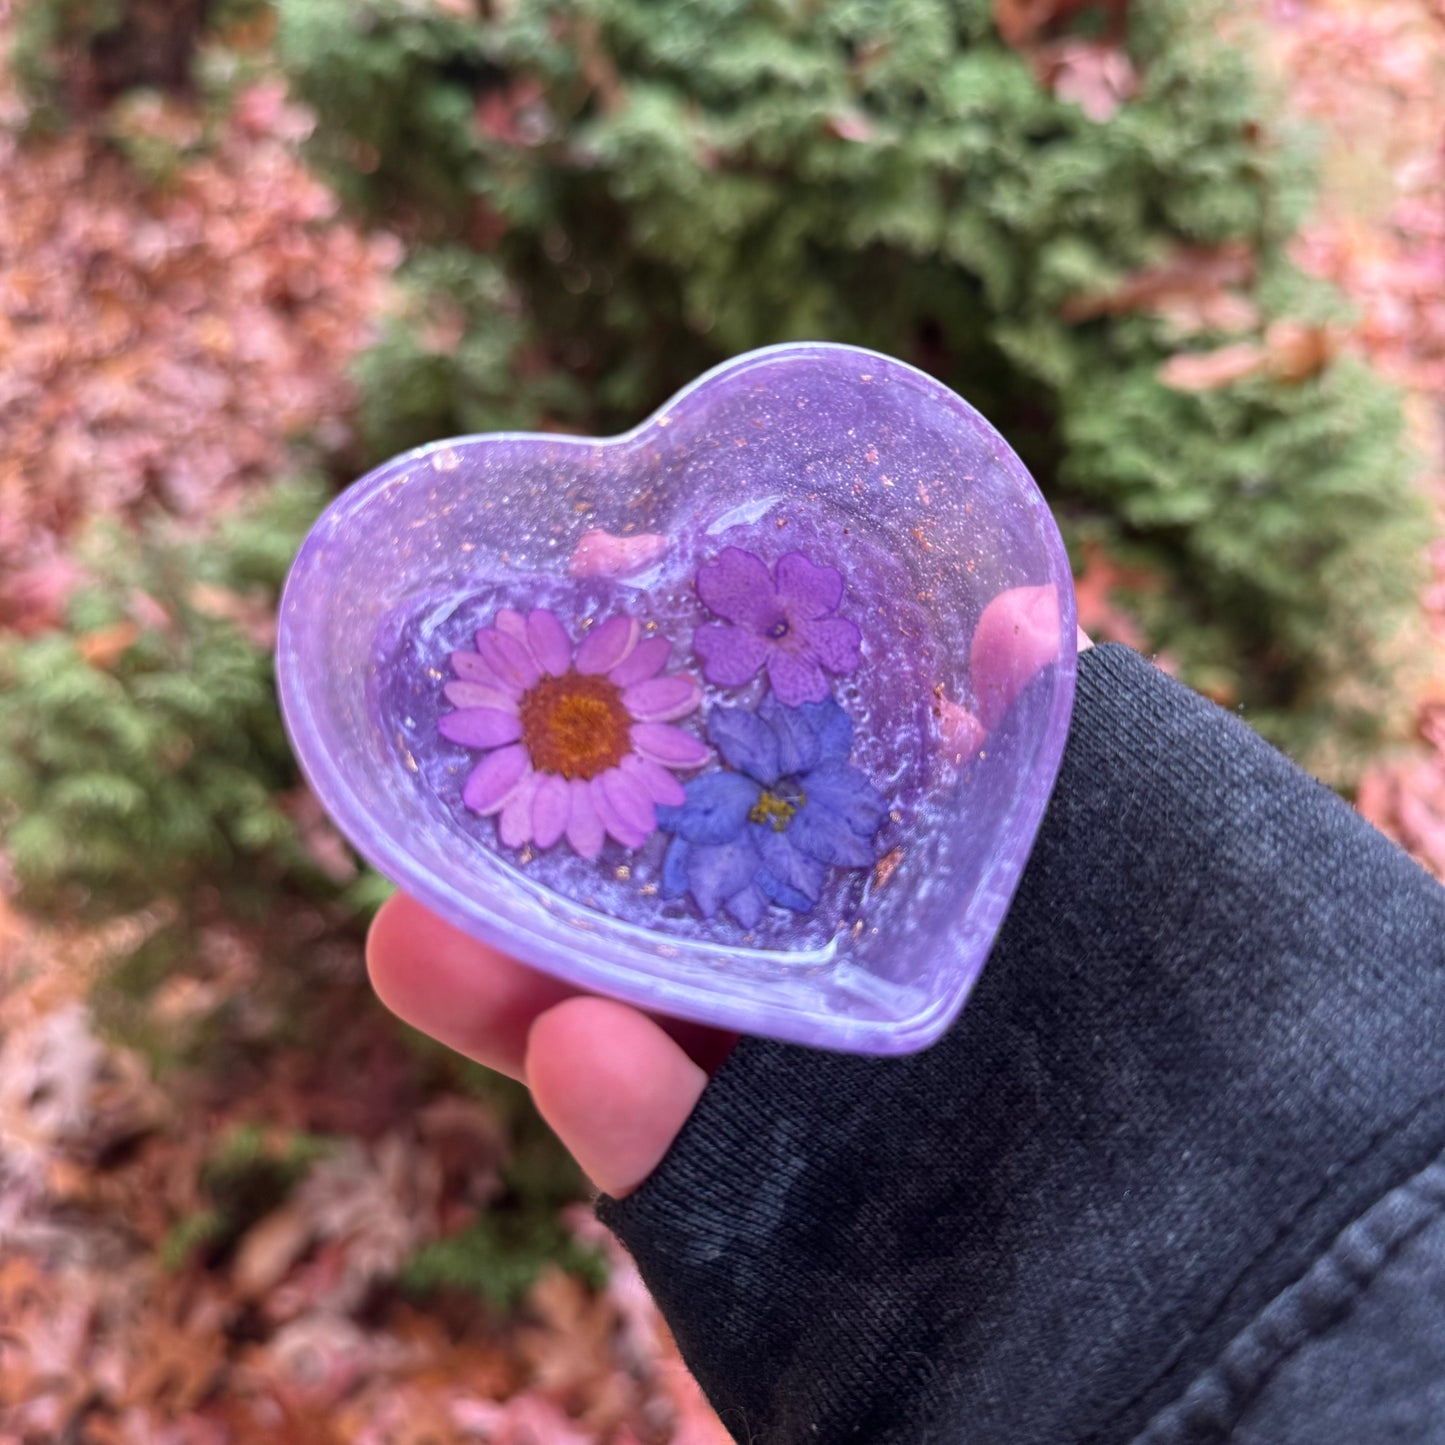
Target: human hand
[(615, 1084)]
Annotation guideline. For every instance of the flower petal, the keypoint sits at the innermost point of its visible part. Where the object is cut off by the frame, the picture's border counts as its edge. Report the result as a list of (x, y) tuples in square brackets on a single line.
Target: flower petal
[(645, 660), (629, 800), (605, 646), (788, 875), (550, 809), (806, 589), (834, 728), (661, 699), (510, 660), (779, 892), (730, 655), (745, 741), (480, 727), (843, 790), (584, 828), (747, 905), (668, 745), (494, 779), (796, 679), (716, 809), (621, 824), (798, 746), (822, 834), (511, 622), (471, 668), (514, 827), (719, 872), (737, 586), (833, 641), (661, 786), (549, 642), (674, 869), (478, 694)]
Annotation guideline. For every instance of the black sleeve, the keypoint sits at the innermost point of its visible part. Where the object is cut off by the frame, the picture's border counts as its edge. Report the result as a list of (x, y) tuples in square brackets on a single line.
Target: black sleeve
[(1159, 1180)]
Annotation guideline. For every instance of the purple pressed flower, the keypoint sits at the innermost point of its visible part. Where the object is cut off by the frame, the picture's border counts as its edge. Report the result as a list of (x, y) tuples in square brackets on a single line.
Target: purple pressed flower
[(768, 828), (782, 620), (579, 740)]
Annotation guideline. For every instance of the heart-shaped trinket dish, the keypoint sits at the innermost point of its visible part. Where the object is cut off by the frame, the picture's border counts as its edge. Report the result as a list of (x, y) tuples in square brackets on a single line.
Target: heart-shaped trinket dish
[(747, 716)]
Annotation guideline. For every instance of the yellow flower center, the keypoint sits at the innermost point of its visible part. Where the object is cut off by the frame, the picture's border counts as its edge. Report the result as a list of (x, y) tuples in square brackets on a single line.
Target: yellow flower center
[(575, 726), (772, 809)]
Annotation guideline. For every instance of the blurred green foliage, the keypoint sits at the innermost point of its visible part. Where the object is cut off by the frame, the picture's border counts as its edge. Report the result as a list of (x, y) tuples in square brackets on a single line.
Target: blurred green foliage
[(499, 1255), (248, 1173), (417, 390), (73, 57), (141, 752), (604, 200)]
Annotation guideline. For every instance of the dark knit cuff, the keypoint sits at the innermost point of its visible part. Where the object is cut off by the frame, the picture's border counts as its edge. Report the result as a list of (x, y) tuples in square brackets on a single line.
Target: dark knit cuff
[(1205, 1041)]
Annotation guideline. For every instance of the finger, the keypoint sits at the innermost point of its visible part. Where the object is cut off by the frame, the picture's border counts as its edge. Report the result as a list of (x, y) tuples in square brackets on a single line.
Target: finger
[(1016, 637), (614, 1085), (472, 998), (476, 999)]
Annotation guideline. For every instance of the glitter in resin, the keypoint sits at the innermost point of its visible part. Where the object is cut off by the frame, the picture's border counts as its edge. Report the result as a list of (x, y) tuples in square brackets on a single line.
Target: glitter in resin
[(578, 740)]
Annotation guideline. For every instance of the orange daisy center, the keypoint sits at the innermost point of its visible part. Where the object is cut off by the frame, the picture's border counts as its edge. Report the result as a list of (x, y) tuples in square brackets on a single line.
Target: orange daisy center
[(575, 726)]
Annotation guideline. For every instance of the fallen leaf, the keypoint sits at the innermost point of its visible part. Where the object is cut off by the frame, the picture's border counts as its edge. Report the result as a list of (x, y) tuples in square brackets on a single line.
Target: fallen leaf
[(254, 616), (1096, 586), (1022, 22), (319, 836), (268, 1250), (569, 1347), (1209, 370), (178, 1358), (523, 1420), (1297, 351), (1291, 352), (1096, 77), (1194, 286), (104, 647), (850, 124)]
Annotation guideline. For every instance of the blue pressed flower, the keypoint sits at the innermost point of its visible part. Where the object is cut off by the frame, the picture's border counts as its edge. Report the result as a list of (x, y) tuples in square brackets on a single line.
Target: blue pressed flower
[(789, 807)]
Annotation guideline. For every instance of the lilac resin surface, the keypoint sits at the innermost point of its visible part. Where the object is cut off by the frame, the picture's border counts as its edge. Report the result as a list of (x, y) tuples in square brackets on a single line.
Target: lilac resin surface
[(748, 716)]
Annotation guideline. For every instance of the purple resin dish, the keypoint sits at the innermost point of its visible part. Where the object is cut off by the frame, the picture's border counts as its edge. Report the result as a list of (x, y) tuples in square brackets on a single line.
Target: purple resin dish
[(749, 715)]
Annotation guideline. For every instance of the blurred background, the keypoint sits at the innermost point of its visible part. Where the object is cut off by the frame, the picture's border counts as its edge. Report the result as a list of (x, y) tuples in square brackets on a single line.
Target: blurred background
[(1189, 255)]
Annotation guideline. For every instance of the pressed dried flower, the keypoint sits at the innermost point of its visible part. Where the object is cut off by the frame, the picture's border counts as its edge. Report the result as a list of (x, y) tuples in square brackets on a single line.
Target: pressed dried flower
[(579, 738), (781, 620)]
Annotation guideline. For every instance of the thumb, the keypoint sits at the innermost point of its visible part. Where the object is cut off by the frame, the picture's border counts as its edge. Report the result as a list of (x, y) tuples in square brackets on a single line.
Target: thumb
[(614, 1086)]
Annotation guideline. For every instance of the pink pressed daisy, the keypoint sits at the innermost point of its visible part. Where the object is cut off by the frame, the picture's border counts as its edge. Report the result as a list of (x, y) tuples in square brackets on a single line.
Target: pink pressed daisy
[(579, 739)]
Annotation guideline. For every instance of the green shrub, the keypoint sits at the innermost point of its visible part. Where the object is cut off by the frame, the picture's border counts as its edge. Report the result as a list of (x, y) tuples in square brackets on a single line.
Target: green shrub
[(454, 358), (647, 194), (142, 756), (247, 1173), (74, 57)]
